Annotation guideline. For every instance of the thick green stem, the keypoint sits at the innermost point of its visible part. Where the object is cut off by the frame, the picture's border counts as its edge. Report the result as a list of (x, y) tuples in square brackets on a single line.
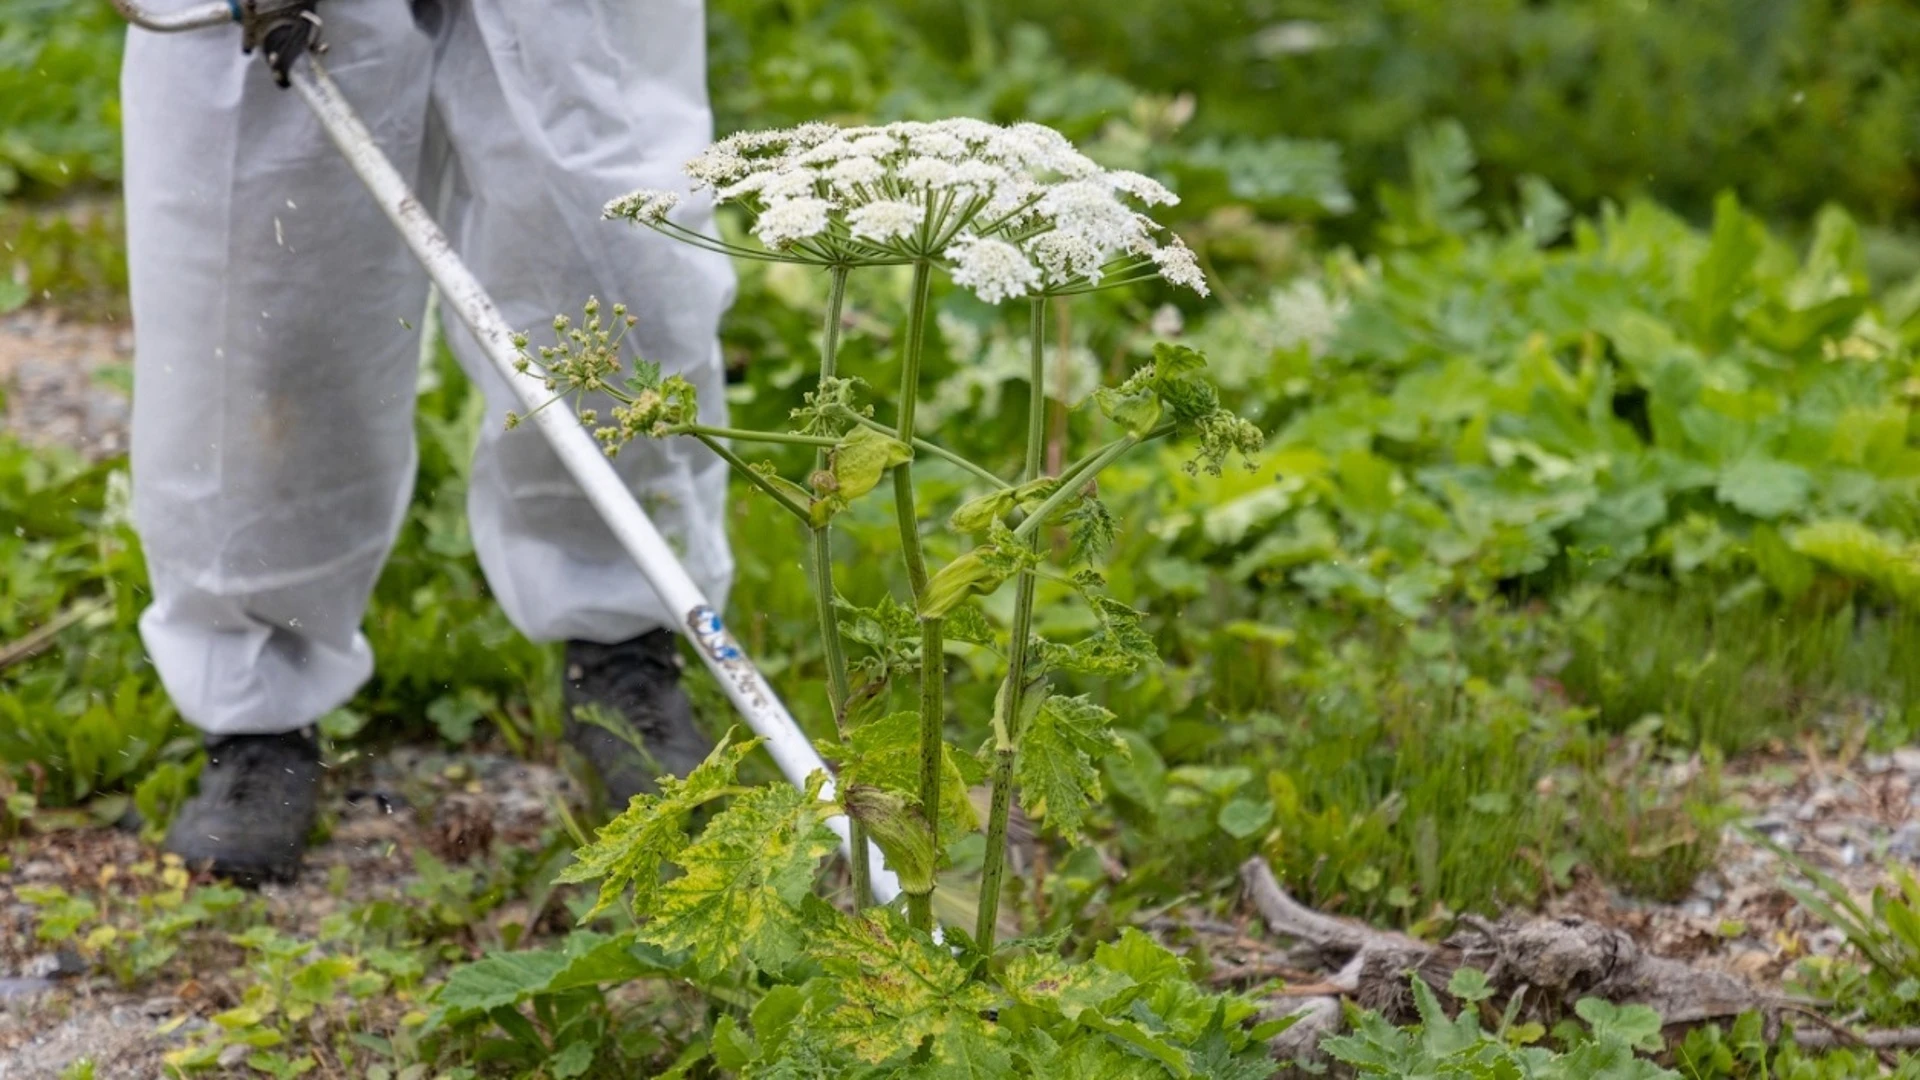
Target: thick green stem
[(1075, 476), (903, 501), (743, 435), (933, 721), (839, 689), (1007, 733), (1073, 481), (933, 672), (727, 455)]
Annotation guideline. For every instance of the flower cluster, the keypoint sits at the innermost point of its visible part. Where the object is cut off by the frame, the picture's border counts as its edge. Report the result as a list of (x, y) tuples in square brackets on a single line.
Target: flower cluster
[(1008, 211), (585, 359)]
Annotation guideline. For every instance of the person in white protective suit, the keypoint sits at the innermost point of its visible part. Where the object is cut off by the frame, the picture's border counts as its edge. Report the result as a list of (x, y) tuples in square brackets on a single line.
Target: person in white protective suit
[(275, 369)]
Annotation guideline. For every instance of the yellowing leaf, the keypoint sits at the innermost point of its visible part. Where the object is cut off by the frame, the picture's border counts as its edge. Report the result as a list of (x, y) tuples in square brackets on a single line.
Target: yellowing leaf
[(970, 574), (886, 754), (863, 457), (630, 850), (895, 987), (744, 881)]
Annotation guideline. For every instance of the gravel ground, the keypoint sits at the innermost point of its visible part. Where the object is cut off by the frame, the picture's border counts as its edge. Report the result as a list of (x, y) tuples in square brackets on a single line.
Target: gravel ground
[(1855, 819), (55, 1008), (62, 381)]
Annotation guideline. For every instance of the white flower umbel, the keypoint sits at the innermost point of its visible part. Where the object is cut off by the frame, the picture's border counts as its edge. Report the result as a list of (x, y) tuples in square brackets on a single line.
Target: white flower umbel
[(1006, 211), (1179, 267), (788, 220), (993, 269), (646, 206)]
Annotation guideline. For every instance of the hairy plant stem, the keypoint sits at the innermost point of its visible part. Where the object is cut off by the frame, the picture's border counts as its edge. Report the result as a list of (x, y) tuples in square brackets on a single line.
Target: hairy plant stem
[(744, 435), (1007, 732), (1081, 473), (933, 671), (839, 689), (740, 466)]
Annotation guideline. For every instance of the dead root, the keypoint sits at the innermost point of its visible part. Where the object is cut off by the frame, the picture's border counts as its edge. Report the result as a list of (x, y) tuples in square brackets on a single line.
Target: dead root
[(1548, 963)]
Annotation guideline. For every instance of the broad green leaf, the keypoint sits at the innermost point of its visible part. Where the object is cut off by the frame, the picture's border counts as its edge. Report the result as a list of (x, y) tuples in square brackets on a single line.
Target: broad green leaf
[(733, 1048), (1543, 212), (1120, 647), (1242, 817), (1056, 761), (1856, 550), (965, 1052), (1091, 996), (1092, 1056), (1140, 958), (585, 958), (885, 754), (573, 1061), (1636, 1026), (628, 851), (893, 985), (1045, 981), (744, 879), (1722, 277), (1470, 985), (1764, 488)]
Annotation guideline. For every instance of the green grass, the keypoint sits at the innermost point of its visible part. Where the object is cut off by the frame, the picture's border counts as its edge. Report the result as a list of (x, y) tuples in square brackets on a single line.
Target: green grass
[(71, 255)]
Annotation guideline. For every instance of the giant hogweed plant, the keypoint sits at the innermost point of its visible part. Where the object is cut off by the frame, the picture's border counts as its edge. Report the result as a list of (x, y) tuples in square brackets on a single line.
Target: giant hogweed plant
[(1010, 213)]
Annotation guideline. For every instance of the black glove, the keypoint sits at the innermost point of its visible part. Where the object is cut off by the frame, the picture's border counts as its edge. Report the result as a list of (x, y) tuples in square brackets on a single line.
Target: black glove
[(284, 30)]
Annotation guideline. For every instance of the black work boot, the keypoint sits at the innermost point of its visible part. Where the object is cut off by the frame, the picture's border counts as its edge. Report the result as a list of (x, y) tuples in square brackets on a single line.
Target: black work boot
[(635, 684), (258, 798)]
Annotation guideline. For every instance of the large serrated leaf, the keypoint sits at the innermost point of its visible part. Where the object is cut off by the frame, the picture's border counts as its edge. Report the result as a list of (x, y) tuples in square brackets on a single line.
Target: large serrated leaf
[(744, 880), (629, 851)]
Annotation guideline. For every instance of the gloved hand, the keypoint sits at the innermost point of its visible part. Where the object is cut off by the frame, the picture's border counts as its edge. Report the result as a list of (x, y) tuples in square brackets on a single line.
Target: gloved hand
[(284, 30)]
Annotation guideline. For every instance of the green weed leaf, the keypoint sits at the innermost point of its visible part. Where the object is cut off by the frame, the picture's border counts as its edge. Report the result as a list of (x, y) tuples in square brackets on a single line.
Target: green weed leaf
[(895, 987), (629, 851), (744, 879), (1057, 761)]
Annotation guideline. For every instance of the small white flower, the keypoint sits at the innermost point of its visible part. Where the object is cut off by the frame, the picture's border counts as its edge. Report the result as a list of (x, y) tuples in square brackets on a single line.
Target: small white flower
[(927, 172), (1089, 210), (967, 129), (1167, 322), (1066, 258), (980, 177), (1179, 267), (1145, 188), (852, 172), (788, 220), (1041, 147), (750, 184), (827, 152), (1012, 202), (790, 184), (875, 145), (648, 206), (937, 143), (716, 166), (888, 219), (994, 269)]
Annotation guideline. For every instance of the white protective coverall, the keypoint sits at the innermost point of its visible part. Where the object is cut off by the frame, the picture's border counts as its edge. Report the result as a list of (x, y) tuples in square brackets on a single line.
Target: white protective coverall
[(274, 377)]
